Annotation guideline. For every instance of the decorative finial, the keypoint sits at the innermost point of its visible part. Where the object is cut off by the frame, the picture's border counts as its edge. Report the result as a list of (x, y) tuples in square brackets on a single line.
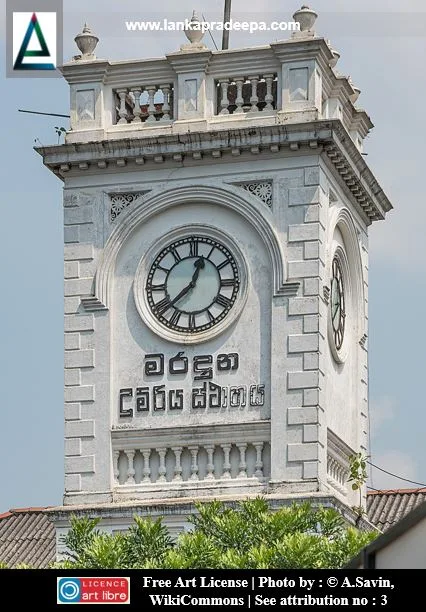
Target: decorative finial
[(194, 33), (86, 41), (306, 19)]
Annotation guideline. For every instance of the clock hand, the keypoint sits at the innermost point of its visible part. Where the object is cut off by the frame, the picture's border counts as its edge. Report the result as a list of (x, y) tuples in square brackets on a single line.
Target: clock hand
[(198, 264), (182, 293)]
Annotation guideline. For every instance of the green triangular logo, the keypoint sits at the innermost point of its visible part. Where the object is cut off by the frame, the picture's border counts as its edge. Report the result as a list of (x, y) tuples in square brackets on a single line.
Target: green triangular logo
[(24, 52)]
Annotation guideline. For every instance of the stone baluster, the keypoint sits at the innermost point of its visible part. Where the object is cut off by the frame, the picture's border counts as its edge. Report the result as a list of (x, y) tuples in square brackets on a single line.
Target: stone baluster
[(166, 104), (239, 100), (259, 463), (178, 467), (224, 103), (162, 469), (122, 111), (136, 91), (243, 466), (115, 460), (151, 89), (210, 462), (254, 99), (194, 463), (130, 468), (146, 469), (269, 98), (226, 463)]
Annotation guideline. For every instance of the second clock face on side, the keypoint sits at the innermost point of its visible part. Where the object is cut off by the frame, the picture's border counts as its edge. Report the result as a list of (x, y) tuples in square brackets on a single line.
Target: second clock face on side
[(337, 304), (192, 284)]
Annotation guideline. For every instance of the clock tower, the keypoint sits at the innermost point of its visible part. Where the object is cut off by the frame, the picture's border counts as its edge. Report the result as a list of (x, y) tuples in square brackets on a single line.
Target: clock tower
[(216, 211)]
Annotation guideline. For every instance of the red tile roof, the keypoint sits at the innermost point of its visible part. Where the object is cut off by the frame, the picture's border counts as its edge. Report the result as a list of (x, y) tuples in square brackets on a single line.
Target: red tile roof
[(387, 507), (27, 536)]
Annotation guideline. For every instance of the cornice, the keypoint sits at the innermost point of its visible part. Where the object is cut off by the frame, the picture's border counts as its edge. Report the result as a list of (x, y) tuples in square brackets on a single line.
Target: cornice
[(328, 136)]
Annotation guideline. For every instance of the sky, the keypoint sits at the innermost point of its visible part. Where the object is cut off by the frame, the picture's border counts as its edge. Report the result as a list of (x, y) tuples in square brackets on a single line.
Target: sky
[(384, 52)]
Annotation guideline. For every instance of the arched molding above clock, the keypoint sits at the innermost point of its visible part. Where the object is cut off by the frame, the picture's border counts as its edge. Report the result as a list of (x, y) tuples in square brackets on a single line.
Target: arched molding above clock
[(230, 198), (344, 246)]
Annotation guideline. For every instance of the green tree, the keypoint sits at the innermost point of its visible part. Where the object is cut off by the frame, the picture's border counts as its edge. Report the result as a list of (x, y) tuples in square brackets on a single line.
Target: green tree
[(247, 536)]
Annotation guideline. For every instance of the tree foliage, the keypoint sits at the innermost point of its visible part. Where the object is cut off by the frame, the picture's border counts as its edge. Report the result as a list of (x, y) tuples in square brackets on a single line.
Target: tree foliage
[(247, 536)]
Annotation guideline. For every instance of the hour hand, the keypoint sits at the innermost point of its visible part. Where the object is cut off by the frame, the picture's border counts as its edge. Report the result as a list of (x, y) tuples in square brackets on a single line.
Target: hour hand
[(199, 265)]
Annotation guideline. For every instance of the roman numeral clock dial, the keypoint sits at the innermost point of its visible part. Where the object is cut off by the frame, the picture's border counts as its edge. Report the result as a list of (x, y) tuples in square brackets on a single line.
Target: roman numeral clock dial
[(192, 284), (337, 304)]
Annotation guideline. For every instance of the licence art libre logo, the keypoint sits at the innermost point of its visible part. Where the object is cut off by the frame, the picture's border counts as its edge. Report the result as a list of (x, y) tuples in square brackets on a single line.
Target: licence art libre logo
[(96, 590), (34, 41)]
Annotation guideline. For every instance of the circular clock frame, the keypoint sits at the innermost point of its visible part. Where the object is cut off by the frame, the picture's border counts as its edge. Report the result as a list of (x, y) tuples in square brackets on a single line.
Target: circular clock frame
[(234, 298), (340, 300)]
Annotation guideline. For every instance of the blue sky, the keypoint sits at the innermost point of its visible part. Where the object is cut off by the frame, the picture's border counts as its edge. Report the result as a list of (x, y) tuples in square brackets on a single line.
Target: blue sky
[(384, 53)]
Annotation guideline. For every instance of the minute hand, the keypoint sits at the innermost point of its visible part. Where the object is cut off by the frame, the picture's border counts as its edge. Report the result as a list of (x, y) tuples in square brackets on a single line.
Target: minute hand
[(198, 264)]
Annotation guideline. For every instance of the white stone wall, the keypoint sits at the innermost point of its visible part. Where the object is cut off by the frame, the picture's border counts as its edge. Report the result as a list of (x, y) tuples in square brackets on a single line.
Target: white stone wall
[(281, 334)]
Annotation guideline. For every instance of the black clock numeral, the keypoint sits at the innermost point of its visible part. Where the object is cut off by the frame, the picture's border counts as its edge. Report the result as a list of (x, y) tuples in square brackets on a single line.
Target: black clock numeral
[(210, 252), (176, 255), (193, 248), (157, 287), (222, 300), (223, 264), (227, 282), (163, 305), (163, 268), (191, 322), (210, 316), (174, 319)]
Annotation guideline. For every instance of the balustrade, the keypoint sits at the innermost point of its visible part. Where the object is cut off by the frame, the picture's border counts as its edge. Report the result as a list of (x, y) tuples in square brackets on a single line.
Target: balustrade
[(191, 463), (253, 94), (148, 104), (337, 472)]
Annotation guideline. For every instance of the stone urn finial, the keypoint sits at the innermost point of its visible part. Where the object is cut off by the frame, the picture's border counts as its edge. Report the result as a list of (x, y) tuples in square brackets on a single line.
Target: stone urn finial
[(194, 34), (306, 19), (86, 41)]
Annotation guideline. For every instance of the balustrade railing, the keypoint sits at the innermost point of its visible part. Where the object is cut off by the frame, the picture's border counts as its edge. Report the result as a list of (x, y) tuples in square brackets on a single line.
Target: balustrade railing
[(144, 104), (192, 463), (337, 473), (239, 95)]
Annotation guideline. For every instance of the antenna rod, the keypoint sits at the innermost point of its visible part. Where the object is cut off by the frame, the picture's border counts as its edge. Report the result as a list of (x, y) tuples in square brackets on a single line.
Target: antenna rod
[(226, 19), (20, 110)]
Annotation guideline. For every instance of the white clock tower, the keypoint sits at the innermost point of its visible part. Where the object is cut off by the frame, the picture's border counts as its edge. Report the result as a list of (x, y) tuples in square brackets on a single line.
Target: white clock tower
[(216, 210)]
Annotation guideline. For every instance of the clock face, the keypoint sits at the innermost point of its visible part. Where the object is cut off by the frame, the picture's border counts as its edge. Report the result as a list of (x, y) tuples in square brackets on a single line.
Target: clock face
[(337, 304), (192, 284)]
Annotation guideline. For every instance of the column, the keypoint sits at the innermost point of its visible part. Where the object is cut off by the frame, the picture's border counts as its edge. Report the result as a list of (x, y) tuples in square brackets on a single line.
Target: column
[(130, 469), (243, 466), (254, 98), (224, 103), (151, 89), (146, 469), (210, 462), (269, 98), (226, 463), (178, 468), (136, 91), (194, 463), (259, 463), (122, 111), (166, 104), (239, 100)]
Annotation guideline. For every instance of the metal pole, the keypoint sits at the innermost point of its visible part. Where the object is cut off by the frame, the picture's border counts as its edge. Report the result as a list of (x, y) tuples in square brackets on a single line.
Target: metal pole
[(226, 18), (20, 110)]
